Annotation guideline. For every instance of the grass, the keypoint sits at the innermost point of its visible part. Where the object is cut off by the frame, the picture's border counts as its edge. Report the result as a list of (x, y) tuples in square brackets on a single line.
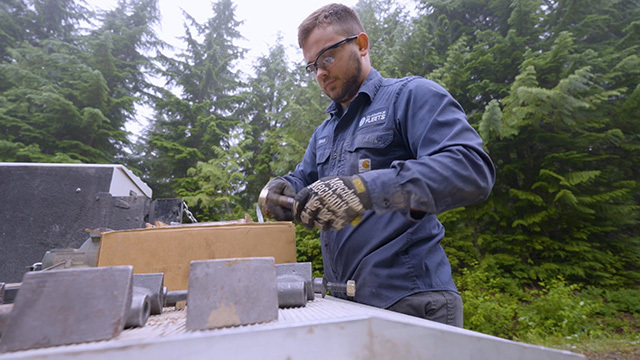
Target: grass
[(601, 347)]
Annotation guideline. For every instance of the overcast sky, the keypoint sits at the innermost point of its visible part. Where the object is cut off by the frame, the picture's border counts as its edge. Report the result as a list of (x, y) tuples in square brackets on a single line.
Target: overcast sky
[(263, 20)]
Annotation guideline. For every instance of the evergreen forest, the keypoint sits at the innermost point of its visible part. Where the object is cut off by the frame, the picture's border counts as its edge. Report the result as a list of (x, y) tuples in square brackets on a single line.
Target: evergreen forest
[(552, 86)]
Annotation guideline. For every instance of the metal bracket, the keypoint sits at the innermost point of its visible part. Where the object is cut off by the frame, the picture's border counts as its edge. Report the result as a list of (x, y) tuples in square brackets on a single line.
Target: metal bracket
[(231, 292), (62, 307)]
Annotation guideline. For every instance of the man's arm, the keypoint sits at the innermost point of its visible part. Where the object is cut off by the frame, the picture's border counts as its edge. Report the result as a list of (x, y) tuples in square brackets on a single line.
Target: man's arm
[(450, 168)]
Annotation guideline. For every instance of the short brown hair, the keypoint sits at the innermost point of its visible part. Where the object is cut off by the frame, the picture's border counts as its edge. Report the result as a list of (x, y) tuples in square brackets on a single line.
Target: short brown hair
[(343, 18)]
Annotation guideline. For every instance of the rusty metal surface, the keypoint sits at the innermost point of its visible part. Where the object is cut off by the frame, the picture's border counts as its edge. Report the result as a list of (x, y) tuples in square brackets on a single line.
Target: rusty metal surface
[(62, 307), (231, 292)]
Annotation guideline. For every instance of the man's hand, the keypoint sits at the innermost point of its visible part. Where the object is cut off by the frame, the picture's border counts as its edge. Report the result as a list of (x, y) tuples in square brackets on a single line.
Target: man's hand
[(332, 202), (277, 186)]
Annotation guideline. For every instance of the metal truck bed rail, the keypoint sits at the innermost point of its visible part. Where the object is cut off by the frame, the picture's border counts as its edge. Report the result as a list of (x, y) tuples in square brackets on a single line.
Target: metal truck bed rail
[(326, 328)]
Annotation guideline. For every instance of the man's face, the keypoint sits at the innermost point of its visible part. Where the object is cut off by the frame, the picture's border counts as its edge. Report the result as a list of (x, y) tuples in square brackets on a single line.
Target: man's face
[(343, 77)]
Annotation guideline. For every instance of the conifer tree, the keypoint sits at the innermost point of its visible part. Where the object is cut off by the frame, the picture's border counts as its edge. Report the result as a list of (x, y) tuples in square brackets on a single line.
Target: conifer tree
[(58, 102), (270, 91), (195, 112), (564, 203)]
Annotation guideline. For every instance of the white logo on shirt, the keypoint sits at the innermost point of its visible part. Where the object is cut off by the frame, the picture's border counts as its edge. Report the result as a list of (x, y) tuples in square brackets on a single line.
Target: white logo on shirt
[(372, 118)]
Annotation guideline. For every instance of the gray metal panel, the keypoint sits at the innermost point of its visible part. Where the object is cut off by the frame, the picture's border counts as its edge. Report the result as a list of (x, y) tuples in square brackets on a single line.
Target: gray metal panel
[(47, 207), (55, 308), (228, 292)]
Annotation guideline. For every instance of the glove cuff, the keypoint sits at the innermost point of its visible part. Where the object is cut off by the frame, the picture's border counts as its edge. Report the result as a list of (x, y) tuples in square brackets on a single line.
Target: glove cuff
[(361, 189)]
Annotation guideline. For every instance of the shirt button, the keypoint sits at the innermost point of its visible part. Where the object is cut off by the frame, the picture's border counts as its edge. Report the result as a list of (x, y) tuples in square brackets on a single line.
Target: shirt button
[(335, 155), (386, 203)]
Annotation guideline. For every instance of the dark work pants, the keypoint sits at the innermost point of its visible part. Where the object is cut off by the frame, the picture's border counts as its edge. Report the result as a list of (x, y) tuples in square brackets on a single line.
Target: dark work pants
[(440, 306)]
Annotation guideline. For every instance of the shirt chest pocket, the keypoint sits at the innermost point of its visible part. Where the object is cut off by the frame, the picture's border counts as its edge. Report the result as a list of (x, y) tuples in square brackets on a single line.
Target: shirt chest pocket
[(370, 151), (323, 153)]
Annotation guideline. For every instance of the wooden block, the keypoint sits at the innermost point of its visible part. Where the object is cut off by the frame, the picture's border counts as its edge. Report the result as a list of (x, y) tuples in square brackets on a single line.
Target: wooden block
[(171, 249)]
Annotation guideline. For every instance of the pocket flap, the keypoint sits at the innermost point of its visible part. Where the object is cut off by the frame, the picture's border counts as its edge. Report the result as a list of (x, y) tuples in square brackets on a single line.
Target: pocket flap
[(371, 141)]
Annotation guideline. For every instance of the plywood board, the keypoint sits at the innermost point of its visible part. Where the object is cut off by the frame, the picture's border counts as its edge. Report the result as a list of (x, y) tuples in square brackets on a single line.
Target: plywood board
[(171, 249)]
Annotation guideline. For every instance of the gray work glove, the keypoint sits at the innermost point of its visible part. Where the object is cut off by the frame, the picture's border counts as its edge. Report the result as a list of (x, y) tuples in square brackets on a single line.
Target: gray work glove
[(278, 186), (332, 202)]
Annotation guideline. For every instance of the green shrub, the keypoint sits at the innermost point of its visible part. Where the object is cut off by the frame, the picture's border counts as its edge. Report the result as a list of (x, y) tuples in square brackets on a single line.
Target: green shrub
[(623, 300), (490, 313), (619, 311), (308, 249), (556, 309), (496, 304), (490, 302)]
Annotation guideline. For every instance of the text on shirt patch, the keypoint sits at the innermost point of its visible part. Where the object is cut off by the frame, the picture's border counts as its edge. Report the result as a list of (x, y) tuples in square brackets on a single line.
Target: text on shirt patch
[(373, 118), (322, 140)]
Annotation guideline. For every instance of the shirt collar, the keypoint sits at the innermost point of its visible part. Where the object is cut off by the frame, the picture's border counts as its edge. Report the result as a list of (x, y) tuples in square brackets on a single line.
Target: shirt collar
[(369, 87)]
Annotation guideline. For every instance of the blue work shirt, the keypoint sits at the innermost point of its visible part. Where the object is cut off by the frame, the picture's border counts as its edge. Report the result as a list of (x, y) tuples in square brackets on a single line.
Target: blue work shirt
[(411, 143)]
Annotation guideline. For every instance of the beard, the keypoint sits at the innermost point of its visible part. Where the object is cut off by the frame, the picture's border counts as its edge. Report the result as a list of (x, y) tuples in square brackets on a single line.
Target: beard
[(351, 80)]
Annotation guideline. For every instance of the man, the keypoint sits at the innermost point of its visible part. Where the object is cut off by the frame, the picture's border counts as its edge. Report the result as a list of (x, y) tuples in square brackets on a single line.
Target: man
[(392, 154)]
